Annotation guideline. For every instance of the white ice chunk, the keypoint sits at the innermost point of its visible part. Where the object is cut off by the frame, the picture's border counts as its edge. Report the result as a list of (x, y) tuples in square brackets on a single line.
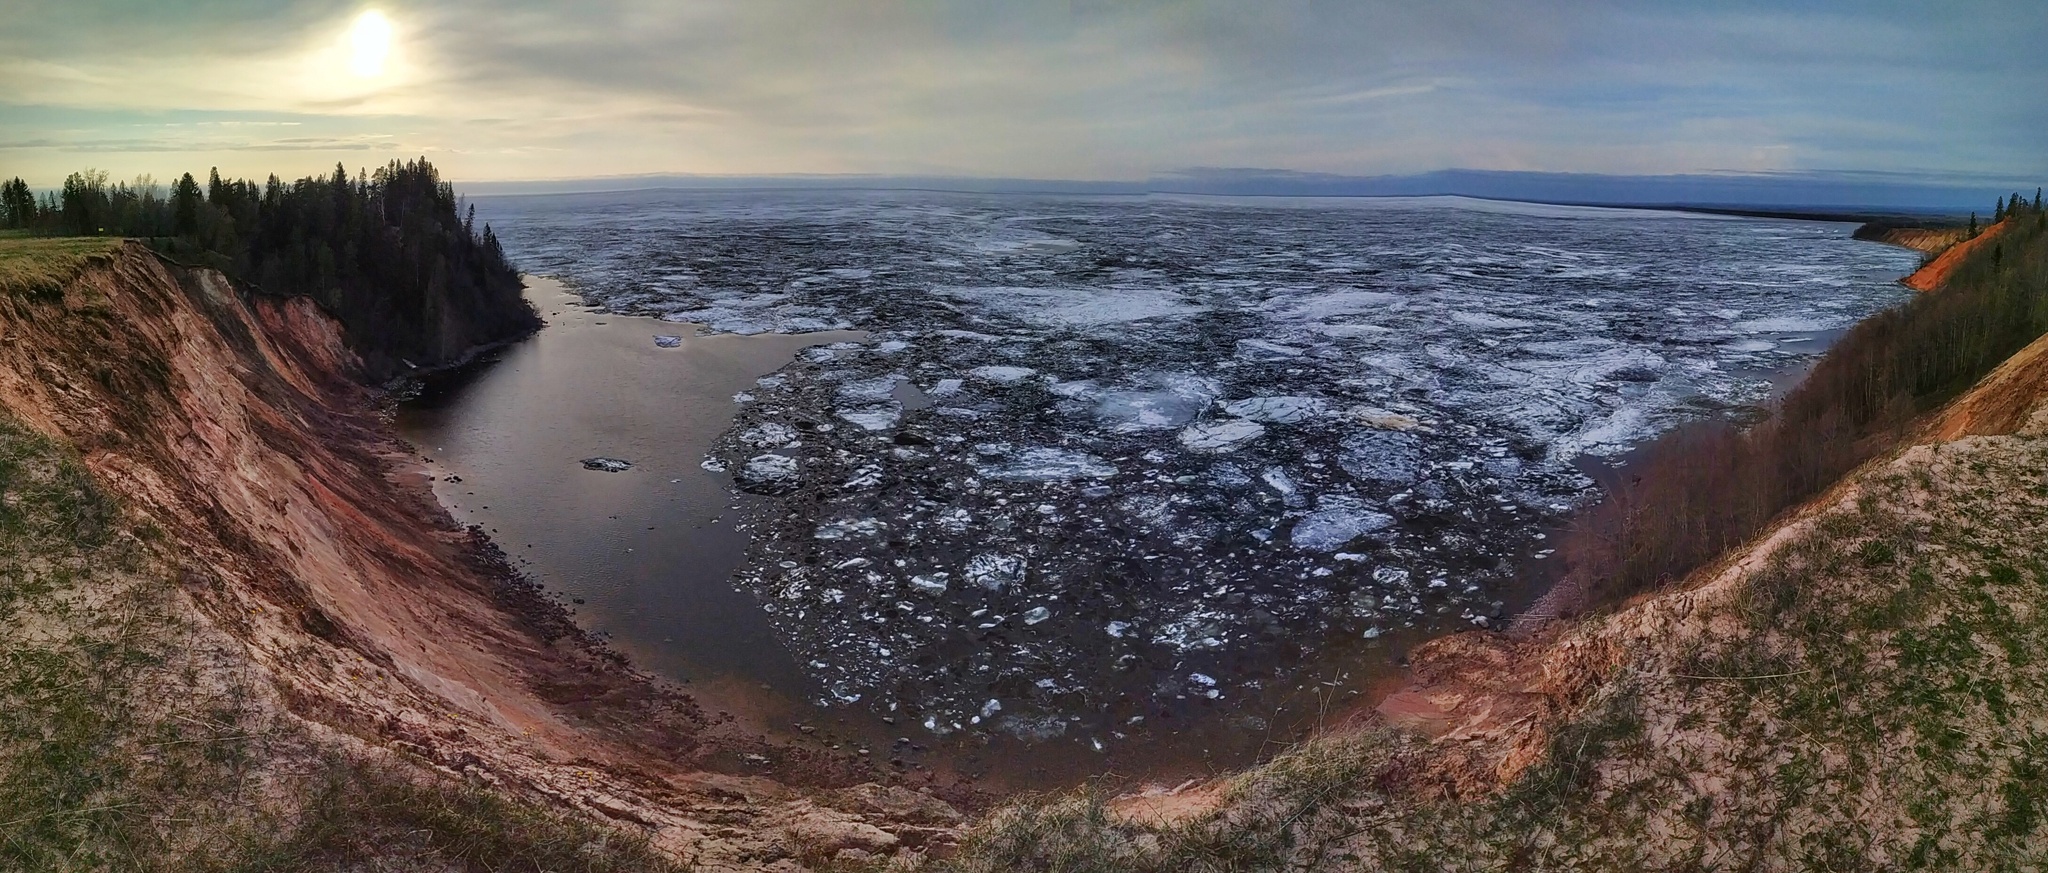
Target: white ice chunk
[(1083, 308), (850, 527), (1325, 530), (932, 584), (1048, 465), (769, 468), (1277, 410), (874, 390), (768, 435), (878, 417), (994, 572), (1161, 401), (1002, 375), (1283, 485), (955, 520), (1223, 435)]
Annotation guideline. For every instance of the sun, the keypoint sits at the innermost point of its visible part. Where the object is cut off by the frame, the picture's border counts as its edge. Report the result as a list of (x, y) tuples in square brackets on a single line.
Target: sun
[(369, 44)]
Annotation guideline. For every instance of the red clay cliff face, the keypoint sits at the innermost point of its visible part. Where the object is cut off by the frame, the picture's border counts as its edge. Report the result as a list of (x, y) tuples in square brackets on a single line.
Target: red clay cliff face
[(1931, 276), (240, 428)]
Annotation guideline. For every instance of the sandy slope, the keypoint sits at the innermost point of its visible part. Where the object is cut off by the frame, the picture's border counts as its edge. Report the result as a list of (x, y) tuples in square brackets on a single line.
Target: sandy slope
[(1930, 277)]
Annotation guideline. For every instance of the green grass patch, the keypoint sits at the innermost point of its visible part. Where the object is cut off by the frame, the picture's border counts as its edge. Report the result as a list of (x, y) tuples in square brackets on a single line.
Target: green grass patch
[(39, 267)]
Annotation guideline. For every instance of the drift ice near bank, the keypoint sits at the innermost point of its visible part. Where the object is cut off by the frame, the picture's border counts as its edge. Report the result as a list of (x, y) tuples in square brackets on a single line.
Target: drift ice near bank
[(1193, 433)]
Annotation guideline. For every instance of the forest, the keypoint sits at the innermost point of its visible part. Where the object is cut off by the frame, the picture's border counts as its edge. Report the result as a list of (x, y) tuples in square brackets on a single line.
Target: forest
[(391, 254)]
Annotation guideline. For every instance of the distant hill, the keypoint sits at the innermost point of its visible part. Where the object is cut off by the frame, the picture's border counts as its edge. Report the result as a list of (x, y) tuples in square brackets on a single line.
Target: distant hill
[(1805, 193)]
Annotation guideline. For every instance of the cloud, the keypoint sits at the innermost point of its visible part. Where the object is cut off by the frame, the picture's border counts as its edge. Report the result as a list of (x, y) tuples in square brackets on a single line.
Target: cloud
[(1089, 89)]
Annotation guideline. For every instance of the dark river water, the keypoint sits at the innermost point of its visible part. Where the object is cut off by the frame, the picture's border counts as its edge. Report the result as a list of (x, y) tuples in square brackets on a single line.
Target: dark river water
[(644, 553)]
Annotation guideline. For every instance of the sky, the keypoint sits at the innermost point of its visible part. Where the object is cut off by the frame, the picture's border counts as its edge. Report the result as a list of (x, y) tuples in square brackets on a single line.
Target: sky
[(1030, 89)]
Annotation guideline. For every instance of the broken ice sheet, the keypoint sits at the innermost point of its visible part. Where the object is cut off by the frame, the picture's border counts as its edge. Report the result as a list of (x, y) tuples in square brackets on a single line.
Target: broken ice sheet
[(1326, 530), (1419, 376)]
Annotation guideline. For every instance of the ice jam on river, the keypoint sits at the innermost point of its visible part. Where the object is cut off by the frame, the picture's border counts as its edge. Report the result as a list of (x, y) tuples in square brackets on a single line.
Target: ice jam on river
[(1100, 457)]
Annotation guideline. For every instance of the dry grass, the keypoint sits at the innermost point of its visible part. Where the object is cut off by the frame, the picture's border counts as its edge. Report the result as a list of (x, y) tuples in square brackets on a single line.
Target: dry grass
[(39, 266)]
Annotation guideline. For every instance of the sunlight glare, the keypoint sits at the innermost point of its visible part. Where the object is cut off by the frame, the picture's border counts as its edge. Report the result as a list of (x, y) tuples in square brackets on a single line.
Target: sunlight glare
[(369, 42)]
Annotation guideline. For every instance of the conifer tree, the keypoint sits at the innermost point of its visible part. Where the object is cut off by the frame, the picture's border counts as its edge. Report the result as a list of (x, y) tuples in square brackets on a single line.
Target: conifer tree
[(1998, 214), (185, 206), (17, 204)]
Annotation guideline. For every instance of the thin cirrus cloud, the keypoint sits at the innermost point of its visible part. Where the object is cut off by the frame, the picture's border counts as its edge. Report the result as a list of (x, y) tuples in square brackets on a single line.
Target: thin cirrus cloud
[(1077, 89)]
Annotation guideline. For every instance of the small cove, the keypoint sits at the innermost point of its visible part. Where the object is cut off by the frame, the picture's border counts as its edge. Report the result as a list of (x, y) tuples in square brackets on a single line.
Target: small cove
[(642, 554)]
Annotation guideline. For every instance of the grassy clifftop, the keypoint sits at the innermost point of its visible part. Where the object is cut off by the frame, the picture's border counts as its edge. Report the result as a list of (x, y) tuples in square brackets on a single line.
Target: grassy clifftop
[(31, 265)]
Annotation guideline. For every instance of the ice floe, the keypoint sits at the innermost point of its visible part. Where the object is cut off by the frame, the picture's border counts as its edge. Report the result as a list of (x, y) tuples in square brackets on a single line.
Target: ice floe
[(1221, 435)]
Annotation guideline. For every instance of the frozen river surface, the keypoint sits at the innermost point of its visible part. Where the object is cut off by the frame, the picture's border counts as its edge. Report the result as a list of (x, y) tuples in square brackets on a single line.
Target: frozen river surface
[(1102, 459)]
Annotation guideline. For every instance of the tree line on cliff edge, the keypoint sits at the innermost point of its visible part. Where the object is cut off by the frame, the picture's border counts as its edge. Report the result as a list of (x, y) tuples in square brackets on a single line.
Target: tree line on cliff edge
[(390, 253), (1708, 487)]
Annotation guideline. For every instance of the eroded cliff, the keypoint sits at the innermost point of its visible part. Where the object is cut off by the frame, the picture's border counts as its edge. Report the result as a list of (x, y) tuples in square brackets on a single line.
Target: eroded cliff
[(300, 539)]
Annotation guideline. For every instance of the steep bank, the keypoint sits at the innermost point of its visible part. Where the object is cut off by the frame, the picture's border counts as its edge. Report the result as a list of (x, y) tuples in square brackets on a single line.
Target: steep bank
[(1927, 240), (297, 529), (1935, 272)]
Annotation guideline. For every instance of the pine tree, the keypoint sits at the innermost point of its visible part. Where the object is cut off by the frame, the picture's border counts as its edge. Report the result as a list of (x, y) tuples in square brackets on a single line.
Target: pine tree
[(1998, 215), (1973, 224)]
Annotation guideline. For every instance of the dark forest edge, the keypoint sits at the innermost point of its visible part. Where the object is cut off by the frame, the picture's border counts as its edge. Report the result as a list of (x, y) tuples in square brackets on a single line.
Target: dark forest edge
[(390, 254), (1709, 486)]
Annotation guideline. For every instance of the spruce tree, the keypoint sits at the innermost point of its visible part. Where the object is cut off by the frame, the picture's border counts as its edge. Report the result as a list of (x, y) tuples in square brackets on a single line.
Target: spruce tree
[(185, 206), (17, 205), (1998, 214)]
